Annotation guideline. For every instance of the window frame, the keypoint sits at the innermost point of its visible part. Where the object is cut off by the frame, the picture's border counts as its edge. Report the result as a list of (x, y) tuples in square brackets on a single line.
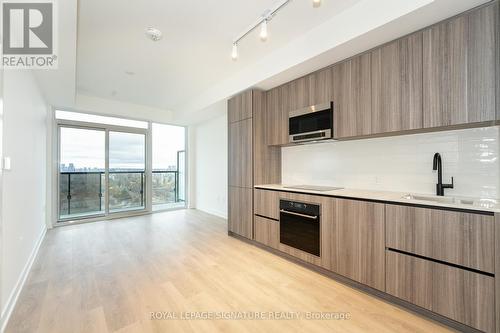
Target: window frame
[(55, 163)]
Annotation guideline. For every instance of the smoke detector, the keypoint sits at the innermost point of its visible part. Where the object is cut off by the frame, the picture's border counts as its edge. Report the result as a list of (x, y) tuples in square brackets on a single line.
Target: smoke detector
[(154, 34)]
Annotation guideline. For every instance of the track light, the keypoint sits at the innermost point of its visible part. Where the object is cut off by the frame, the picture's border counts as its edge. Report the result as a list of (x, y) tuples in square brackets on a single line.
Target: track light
[(263, 31), (234, 54), (262, 21)]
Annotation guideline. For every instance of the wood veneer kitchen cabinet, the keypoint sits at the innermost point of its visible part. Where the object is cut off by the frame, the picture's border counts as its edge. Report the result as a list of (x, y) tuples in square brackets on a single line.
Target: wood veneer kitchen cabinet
[(358, 250), (459, 294), (458, 238), (315, 88), (267, 203), (299, 96), (240, 107), (496, 24), (240, 211), (397, 85), (445, 73), (459, 66), (266, 159), (240, 158), (250, 160), (352, 97), (320, 87), (483, 54), (277, 116), (497, 271), (267, 232)]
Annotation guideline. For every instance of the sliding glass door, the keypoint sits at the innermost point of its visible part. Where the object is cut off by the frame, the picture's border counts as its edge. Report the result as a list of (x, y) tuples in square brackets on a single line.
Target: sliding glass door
[(81, 172), (112, 167), (101, 172), (127, 168)]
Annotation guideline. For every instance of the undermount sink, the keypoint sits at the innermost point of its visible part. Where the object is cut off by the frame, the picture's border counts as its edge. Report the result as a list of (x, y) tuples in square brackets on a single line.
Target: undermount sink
[(448, 200), (483, 203)]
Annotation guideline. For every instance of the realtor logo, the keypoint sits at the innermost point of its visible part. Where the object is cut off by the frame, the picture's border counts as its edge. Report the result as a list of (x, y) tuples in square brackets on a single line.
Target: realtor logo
[(28, 35)]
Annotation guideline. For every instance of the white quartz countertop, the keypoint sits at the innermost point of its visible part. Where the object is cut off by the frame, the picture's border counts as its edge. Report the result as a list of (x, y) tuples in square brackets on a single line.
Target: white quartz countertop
[(474, 204)]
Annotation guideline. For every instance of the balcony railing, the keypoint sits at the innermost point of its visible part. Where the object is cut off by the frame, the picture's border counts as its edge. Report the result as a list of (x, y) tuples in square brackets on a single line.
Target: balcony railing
[(83, 193)]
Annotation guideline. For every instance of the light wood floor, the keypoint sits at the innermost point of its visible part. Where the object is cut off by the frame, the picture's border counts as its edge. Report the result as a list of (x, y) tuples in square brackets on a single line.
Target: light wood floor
[(109, 276)]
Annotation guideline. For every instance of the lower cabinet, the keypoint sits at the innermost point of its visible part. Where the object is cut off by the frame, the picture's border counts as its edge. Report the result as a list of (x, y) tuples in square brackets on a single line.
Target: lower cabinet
[(267, 231), (458, 294), (358, 250), (240, 211), (459, 238), (267, 203), (440, 260)]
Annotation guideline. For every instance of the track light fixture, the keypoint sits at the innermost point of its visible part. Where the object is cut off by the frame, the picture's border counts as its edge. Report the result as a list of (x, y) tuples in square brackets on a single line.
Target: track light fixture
[(263, 21), (263, 30), (234, 53)]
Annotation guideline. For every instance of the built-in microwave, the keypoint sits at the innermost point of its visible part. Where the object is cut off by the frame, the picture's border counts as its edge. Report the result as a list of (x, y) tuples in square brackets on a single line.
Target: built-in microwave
[(311, 123)]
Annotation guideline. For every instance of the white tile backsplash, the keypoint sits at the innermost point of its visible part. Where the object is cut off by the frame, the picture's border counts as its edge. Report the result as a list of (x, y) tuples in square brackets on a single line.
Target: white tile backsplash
[(401, 163)]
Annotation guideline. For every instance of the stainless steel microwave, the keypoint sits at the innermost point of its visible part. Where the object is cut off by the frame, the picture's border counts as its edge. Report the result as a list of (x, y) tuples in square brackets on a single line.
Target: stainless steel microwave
[(312, 123)]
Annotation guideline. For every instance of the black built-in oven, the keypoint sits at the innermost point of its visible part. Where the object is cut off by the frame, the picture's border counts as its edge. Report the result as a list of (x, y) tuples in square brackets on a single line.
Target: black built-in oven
[(300, 226)]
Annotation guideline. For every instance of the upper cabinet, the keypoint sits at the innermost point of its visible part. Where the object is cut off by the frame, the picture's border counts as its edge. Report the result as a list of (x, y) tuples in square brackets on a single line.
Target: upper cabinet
[(445, 75), (240, 107), (299, 94), (352, 92), (320, 87), (266, 160), (397, 85), (459, 68), (482, 63), (312, 89), (277, 116)]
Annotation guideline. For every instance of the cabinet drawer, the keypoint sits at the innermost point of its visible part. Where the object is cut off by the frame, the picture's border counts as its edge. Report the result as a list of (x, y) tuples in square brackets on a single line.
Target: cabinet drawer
[(267, 203), (267, 231), (459, 294), (463, 239)]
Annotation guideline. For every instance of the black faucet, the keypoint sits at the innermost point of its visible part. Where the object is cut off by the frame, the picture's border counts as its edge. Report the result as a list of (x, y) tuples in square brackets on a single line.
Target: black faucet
[(437, 165)]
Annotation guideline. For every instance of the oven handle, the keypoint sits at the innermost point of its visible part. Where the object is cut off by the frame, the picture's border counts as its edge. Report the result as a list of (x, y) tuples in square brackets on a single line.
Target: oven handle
[(312, 217)]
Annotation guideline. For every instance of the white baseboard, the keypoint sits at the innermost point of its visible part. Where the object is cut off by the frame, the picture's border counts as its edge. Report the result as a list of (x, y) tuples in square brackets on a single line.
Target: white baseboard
[(14, 295), (214, 212)]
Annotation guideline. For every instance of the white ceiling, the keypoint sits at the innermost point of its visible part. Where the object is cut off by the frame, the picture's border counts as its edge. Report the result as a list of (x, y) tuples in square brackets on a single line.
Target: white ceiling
[(194, 53)]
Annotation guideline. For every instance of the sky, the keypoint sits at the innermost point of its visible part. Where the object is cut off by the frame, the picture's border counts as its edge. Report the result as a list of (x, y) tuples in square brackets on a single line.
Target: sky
[(86, 147)]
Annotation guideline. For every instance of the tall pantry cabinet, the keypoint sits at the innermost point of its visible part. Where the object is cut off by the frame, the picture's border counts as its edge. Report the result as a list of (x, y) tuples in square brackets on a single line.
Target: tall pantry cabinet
[(250, 160)]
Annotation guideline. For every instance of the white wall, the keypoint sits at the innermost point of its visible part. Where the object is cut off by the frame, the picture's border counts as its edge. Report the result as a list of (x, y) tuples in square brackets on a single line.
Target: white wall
[(24, 204), (210, 165), (402, 163)]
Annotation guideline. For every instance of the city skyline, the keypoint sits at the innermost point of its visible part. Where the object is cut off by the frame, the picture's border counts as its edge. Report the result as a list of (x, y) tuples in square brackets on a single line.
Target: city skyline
[(85, 148), (72, 168)]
